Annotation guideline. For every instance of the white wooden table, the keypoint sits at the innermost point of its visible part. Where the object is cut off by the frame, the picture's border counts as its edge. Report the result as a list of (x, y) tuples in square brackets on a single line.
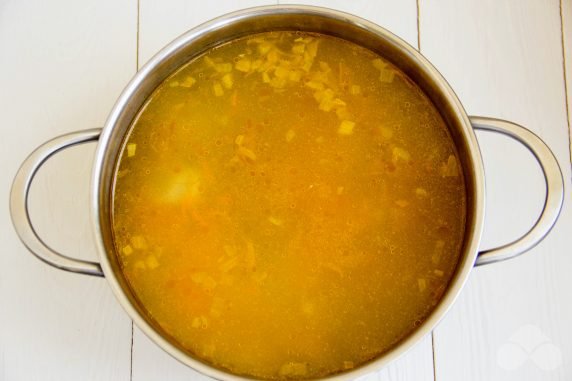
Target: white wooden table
[(63, 64)]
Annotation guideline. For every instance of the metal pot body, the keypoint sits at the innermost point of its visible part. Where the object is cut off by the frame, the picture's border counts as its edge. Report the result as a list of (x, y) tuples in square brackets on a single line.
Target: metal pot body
[(258, 20)]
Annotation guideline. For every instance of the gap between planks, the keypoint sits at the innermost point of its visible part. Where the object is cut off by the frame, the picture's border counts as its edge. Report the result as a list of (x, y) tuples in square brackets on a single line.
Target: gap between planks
[(565, 77)]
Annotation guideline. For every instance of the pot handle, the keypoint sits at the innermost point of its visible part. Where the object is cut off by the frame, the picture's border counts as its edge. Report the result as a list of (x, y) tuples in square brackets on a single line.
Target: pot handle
[(554, 189), (19, 203)]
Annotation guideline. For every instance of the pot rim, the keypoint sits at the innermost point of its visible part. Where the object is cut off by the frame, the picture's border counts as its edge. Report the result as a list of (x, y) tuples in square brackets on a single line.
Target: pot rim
[(466, 260)]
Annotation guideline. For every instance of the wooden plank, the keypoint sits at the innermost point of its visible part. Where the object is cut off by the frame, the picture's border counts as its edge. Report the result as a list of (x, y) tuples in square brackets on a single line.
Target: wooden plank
[(159, 24), (566, 16), (504, 59), (62, 66), (399, 17)]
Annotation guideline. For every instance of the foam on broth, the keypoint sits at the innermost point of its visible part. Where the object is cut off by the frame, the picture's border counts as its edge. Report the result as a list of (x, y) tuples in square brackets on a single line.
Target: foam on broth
[(288, 205)]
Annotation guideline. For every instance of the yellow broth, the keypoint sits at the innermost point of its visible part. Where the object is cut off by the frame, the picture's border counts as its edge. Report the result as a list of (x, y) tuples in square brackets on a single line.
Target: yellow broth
[(288, 205)]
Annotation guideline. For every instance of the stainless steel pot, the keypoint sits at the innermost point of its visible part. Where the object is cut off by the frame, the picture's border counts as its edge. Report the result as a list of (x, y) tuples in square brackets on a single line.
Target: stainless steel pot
[(262, 19)]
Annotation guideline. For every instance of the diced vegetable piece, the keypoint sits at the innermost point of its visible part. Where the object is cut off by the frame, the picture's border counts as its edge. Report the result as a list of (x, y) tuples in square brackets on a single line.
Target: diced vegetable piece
[(438, 272), (308, 308), (281, 72), (209, 61), (386, 132), (314, 85), (293, 369), (325, 67), (264, 47), (355, 90), (122, 173), (229, 264), (450, 169), (131, 148), (422, 284), (127, 250), (290, 135), (275, 221), (298, 48), (346, 128), (243, 65), (309, 54), (184, 185), (348, 364), (204, 280), (227, 81), (256, 64), (246, 154), (152, 262), (278, 83), (188, 82), (421, 192), (265, 77), (272, 57), (378, 64), (295, 76), (326, 100), (223, 67), (138, 242), (438, 251), (399, 154), (200, 322), (402, 203), (217, 88), (304, 40), (387, 75)]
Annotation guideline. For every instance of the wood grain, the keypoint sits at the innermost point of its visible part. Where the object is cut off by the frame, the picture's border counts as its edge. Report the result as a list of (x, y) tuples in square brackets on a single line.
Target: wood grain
[(62, 65), (566, 19), (399, 17), (160, 22), (504, 60)]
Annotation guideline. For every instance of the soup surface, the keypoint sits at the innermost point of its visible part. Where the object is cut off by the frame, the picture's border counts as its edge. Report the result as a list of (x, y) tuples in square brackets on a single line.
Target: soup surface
[(288, 205)]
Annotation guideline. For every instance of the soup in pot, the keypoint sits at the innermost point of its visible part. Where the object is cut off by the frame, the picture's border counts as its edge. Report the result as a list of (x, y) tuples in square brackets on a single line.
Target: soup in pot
[(288, 205)]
